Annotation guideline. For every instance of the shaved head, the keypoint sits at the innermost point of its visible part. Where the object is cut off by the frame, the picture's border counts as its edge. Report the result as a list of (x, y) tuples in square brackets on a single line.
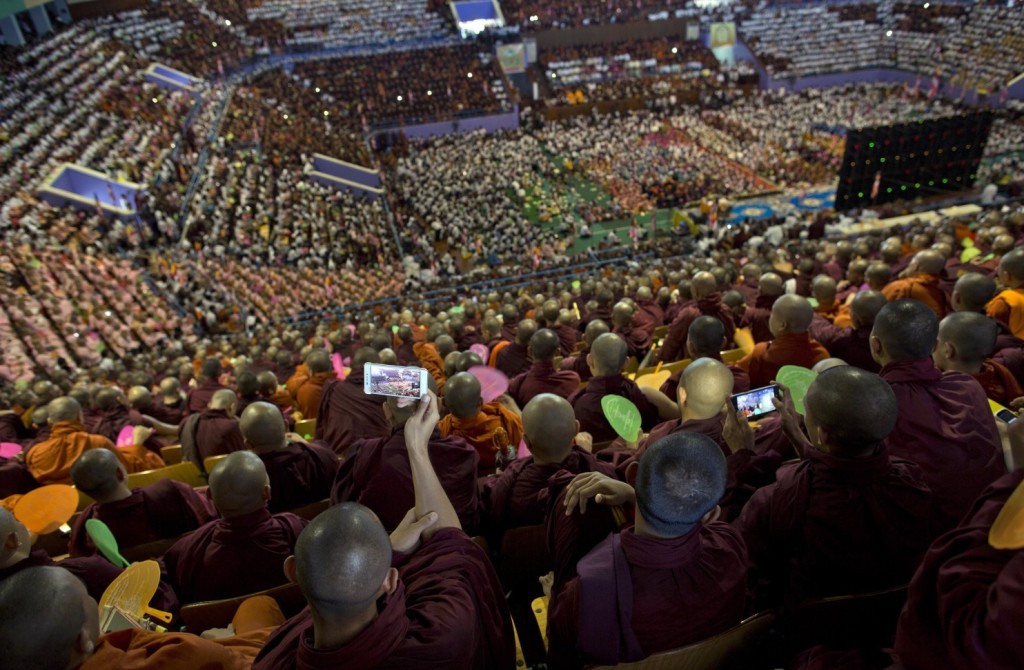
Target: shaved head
[(907, 330), (929, 262), (363, 356), (549, 426), (680, 479), (865, 308), (544, 345), (467, 360), (525, 331), (770, 284), (550, 310), (622, 314), (594, 330), (95, 473), (64, 409), (239, 484), (708, 384), (751, 271), (608, 354), (263, 427), (972, 335), (1013, 264), (823, 288), (790, 314), (855, 410), (462, 395), (705, 337), (223, 399), (318, 361), (828, 364), (341, 560), (108, 397), (45, 610), (139, 397), (445, 345), (704, 283), (973, 292), (878, 275), (211, 368), (267, 381)]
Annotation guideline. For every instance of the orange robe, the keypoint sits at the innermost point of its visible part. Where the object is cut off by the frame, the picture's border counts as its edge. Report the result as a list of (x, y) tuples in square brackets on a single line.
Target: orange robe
[(1008, 307), (828, 312), (307, 396), (842, 317), (431, 361), (492, 430), (923, 288), (297, 379), (764, 362), (50, 461), (134, 649), (999, 383)]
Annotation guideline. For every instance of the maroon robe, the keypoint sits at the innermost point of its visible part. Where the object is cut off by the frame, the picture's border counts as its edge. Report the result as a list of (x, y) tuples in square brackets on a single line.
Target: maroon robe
[(767, 358), (300, 474), (1012, 360), (406, 355), (946, 427), (213, 433), (15, 477), (756, 318), (12, 429), (514, 498), (165, 509), (964, 603), (376, 473), (233, 557), (448, 613), (542, 377), (164, 413), (579, 365), (109, 423), (649, 316), (586, 402), (846, 343), (567, 338), (637, 341), (513, 360), (683, 590), (749, 288), (199, 397), (347, 414), (832, 526), (710, 305)]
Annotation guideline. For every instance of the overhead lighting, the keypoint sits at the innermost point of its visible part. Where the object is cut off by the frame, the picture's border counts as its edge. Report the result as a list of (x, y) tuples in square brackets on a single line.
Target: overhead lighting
[(675, 50), (213, 43), (469, 74), (430, 93), (227, 22), (399, 98)]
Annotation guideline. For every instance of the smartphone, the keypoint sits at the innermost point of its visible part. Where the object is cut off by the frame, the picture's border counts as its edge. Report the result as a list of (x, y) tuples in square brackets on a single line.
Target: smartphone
[(394, 380), (757, 402), (1005, 415)]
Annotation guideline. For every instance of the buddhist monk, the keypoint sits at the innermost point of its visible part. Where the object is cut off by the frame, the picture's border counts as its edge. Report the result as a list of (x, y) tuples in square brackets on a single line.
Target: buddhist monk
[(429, 357), (972, 293), (272, 392), (50, 462), (112, 414), (243, 551), (197, 399), (213, 432), (922, 283), (165, 509), (405, 350), (966, 342), (677, 576), (169, 405), (708, 303), (300, 472), (542, 377), (945, 424), (606, 359), (848, 518), (638, 341), (346, 412), (515, 498), (36, 634), (514, 359), (491, 428), (877, 276), (964, 603), (578, 363), (851, 343), (247, 388), (425, 597), (756, 316), (307, 394), (1008, 306), (791, 317), (750, 277), (567, 335), (823, 289), (706, 340), (376, 473)]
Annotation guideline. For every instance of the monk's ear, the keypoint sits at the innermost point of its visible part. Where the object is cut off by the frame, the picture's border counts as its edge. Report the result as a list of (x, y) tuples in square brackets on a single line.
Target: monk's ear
[(713, 515), (11, 542), (289, 570), (390, 582), (266, 493), (875, 344)]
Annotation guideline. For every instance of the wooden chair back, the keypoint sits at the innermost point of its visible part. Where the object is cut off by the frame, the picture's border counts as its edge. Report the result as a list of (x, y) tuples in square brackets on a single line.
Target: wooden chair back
[(733, 648), (306, 427), (182, 472), (732, 356), (310, 511), (198, 617), (210, 463), (171, 455)]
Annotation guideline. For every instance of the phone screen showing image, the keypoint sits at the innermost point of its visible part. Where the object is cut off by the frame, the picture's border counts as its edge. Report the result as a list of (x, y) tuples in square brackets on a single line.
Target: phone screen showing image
[(396, 381), (755, 403)]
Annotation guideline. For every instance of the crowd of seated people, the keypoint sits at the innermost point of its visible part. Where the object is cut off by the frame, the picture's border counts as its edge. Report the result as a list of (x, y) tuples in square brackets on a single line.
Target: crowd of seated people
[(531, 15), (903, 380), (412, 86)]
